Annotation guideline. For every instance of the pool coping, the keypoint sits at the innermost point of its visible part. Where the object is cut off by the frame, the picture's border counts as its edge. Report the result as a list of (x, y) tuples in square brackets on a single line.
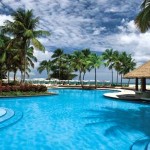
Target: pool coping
[(2, 111), (120, 94)]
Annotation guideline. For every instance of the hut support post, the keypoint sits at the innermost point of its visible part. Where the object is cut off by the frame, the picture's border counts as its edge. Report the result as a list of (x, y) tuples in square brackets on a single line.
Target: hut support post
[(143, 84), (136, 84)]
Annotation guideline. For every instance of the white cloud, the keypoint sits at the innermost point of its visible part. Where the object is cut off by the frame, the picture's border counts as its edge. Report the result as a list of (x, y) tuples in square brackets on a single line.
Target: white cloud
[(129, 39), (3, 18), (87, 24), (42, 56)]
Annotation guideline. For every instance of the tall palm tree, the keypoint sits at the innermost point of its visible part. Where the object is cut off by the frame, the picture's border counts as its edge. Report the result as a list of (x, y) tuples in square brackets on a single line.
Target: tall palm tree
[(86, 52), (86, 65), (78, 63), (23, 28), (95, 62), (108, 57), (143, 18), (4, 42), (127, 64), (45, 65), (68, 68), (58, 58), (116, 63)]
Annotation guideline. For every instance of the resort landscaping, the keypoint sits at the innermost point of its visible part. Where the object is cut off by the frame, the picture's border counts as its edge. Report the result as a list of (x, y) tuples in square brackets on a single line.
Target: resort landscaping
[(19, 40), (23, 90), (81, 115)]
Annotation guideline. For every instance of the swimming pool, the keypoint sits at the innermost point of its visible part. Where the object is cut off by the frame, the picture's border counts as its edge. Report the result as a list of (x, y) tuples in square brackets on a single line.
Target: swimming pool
[(76, 120)]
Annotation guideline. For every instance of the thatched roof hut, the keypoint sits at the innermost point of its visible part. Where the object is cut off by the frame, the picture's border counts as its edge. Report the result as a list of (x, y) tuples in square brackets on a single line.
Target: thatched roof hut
[(142, 72)]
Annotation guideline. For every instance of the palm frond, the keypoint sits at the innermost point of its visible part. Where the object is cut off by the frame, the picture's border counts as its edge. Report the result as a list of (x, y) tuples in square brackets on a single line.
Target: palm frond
[(38, 45), (41, 33), (3, 57)]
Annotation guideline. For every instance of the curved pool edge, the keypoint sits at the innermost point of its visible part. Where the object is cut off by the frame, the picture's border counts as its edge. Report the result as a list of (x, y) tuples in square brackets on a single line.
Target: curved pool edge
[(122, 94), (10, 117), (49, 94), (126, 95), (2, 111)]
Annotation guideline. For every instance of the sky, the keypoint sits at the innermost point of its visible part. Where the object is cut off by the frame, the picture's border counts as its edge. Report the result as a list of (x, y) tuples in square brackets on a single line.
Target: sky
[(79, 24)]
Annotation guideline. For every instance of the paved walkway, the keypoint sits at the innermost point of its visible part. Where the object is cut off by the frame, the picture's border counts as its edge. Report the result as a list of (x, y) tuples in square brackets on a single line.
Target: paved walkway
[(121, 93)]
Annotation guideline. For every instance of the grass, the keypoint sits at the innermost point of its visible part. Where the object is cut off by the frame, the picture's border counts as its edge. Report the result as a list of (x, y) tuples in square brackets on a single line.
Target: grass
[(19, 93)]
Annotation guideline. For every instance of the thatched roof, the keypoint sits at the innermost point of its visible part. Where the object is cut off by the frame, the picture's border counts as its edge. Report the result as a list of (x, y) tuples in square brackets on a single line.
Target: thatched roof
[(140, 72)]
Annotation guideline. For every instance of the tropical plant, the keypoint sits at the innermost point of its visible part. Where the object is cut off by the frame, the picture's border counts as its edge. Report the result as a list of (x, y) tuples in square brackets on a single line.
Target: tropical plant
[(58, 58), (45, 65), (143, 18), (116, 63), (23, 29), (108, 57), (86, 65), (79, 63), (4, 41), (68, 69), (127, 64), (95, 62)]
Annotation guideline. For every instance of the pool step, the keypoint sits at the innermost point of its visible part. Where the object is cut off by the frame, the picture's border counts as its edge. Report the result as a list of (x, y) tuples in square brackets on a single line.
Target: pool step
[(9, 113), (2, 112), (143, 144), (10, 117)]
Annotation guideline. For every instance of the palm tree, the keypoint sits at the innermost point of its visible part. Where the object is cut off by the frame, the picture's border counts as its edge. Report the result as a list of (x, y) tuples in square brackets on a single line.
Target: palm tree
[(4, 42), (86, 52), (45, 65), (23, 28), (143, 18), (86, 66), (58, 58), (78, 63), (68, 68), (108, 57), (116, 63), (127, 64), (95, 62)]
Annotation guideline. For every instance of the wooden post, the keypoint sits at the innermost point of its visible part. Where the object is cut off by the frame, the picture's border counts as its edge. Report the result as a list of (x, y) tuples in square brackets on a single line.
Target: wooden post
[(136, 84), (143, 84)]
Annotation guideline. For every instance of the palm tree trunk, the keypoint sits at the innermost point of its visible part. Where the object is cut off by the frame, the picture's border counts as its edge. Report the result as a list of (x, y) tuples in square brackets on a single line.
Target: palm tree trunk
[(24, 73), (80, 79), (49, 76), (59, 67), (79, 75), (21, 77), (128, 82), (117, 77), (95, 79), (14, 76), (8, 77), (121, 79), (59, 74), (25, 53), (83, 79), (112, 77), (83, 75)]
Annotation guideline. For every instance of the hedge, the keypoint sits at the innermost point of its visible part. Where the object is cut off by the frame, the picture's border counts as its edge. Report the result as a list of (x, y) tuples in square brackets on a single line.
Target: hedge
[(23, 88)]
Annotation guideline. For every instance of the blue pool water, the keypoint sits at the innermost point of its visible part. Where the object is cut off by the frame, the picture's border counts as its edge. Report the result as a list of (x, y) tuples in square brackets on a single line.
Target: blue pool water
[(76, 120)]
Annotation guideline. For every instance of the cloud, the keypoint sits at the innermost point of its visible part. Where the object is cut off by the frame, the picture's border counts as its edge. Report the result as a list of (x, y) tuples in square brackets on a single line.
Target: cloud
[(40, 56), (3, 18), (79, 24), (133, 41)]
